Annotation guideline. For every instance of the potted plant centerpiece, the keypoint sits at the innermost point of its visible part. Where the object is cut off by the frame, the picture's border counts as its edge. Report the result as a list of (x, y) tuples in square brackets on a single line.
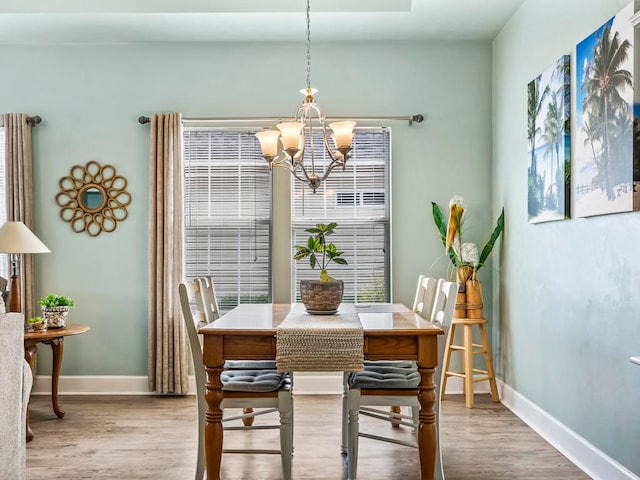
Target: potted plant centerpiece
[(464, 257), (55, 309), (321, 296)]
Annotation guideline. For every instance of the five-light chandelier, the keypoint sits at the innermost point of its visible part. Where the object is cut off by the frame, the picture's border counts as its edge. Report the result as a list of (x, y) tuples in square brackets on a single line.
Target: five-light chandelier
[(292, 136)]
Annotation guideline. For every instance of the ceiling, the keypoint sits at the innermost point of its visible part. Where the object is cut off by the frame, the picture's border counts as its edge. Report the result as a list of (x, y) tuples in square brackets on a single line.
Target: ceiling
[(115, 21)]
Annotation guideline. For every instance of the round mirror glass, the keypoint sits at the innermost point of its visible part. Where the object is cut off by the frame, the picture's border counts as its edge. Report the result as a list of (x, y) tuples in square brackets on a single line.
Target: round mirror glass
[(92, 198)]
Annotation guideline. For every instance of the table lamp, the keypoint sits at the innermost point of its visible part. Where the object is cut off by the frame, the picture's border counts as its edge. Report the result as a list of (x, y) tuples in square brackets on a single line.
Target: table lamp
[(16, 239)]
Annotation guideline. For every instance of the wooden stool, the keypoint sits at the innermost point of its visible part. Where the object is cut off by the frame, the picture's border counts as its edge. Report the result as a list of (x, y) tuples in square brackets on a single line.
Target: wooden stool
[(469, 349)]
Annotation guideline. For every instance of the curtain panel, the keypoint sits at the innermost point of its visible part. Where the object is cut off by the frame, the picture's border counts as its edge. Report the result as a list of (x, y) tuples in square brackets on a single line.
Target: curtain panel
[(19, 172), (167, 353)]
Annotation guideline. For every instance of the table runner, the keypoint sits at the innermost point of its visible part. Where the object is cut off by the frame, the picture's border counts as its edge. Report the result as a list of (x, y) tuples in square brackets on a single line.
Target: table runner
[(308, 342)]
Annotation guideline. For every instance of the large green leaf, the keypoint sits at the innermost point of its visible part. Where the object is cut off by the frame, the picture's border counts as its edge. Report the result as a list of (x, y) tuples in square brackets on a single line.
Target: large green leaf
[(492, 240), (438, 219)]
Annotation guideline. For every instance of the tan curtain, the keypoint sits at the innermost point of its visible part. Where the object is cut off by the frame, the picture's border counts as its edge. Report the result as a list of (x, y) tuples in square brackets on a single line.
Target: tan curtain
[(19, 165), (167, 354)]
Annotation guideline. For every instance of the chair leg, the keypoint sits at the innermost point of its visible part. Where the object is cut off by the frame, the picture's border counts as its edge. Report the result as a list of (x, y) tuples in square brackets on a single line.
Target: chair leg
[(439, 470), (286, 433), (415, 414), (353, 404), (447, 360), (394, 412), (345, 413), (201, 458), (248, 422)]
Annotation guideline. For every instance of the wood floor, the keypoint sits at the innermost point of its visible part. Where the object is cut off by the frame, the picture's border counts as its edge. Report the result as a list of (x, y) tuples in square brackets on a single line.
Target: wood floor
[(147, 437)]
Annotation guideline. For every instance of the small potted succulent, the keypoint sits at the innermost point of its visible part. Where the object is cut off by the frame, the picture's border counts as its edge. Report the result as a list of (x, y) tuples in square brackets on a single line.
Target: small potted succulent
[(37, 324), (321, 296), (55, 309)]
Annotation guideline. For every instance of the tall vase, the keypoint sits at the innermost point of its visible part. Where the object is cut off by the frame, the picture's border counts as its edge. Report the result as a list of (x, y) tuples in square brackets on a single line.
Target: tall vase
[(474, 298), (464, 273)]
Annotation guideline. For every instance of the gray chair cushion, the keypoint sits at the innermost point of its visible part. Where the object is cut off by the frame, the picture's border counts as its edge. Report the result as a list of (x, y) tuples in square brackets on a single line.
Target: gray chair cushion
[(389, 363), (252, 380), (250, 365), (385, 378)]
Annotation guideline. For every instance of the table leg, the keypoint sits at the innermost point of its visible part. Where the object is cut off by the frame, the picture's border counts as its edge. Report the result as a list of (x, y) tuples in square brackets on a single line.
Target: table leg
[(213, 428), (57, 346), (427, 426), (30, 356)]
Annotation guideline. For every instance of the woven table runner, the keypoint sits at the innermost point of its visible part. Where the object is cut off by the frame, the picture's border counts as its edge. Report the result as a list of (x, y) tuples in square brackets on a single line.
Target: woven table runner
[(322, 343)]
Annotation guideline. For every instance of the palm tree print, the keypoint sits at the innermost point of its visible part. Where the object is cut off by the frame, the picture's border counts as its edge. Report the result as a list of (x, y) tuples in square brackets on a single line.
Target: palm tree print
[(605, 79), (548, 120)]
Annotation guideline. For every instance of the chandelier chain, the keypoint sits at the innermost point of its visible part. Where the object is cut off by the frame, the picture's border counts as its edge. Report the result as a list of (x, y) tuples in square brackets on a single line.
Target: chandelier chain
[(308, 46)]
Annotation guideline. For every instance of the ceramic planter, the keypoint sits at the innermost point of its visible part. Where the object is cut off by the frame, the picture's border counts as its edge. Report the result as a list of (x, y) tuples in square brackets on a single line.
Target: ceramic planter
[(55, 316), (321, 298)]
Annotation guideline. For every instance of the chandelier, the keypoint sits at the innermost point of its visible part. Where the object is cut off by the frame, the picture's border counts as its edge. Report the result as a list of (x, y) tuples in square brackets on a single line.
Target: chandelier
[(290, 153)]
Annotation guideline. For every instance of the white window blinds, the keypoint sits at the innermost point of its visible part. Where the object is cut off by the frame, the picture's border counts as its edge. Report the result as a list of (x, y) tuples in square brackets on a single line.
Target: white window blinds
[(358, 199), (228, 214)]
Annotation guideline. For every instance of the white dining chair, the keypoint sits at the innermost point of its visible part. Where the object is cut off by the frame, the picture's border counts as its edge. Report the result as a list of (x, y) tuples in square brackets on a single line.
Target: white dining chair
[(264, 389), (423, 305), (401, 386)]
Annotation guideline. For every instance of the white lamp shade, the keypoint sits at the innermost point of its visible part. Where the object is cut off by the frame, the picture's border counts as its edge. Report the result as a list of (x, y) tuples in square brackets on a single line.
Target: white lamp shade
[(342, 133), (268, 142), (290, 134), (15, 237)]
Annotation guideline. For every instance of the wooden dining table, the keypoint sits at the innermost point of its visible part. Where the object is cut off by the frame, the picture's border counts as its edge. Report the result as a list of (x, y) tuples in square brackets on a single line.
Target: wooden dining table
[(391, 332)]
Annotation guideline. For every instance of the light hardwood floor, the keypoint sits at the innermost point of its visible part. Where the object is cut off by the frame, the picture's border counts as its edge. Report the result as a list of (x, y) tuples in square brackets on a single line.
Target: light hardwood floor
[(148, 437)]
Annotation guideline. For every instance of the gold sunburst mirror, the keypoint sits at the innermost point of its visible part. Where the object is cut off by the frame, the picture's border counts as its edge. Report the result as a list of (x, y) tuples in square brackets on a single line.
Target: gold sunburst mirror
[(93, 198)]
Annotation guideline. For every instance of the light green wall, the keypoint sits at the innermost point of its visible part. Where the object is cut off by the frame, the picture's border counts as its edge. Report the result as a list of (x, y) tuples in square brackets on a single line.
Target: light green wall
[(569, 305), (91, 96)]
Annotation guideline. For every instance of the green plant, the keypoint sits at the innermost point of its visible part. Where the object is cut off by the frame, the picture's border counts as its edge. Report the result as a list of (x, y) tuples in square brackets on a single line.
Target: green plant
[(35, 320), (463, 255), (319, 252), (55, 300)]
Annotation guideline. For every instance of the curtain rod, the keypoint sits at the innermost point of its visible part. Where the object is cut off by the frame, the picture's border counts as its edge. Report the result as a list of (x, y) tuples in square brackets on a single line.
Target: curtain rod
[(35, 120), (413, 118)]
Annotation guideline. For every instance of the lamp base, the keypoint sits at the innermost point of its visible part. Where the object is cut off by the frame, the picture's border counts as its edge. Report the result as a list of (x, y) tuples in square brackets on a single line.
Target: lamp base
[(13, 304)]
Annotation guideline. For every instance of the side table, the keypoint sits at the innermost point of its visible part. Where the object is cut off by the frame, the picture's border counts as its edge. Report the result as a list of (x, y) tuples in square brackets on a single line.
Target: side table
[(55, 338)]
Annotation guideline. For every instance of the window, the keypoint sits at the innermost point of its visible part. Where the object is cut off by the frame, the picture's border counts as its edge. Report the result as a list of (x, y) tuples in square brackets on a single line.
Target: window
[(227, 214), (358, 200)]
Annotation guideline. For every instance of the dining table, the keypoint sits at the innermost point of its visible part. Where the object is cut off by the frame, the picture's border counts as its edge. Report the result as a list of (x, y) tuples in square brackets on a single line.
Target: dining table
[(391, 332)]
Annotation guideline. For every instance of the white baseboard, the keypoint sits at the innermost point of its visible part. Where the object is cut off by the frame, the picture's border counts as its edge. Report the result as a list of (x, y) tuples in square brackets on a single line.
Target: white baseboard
[(579, 451), (95, 385)]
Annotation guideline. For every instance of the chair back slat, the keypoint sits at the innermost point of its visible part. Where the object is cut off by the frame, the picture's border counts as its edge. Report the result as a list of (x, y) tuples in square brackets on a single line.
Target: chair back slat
[(206, 299), (425, 296), (192, 322)]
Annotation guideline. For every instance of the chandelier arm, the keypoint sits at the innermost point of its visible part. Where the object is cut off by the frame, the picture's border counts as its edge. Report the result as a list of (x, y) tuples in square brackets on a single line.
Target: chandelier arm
[(304, 177), (331, 166), (334, 157), (282, 163)]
